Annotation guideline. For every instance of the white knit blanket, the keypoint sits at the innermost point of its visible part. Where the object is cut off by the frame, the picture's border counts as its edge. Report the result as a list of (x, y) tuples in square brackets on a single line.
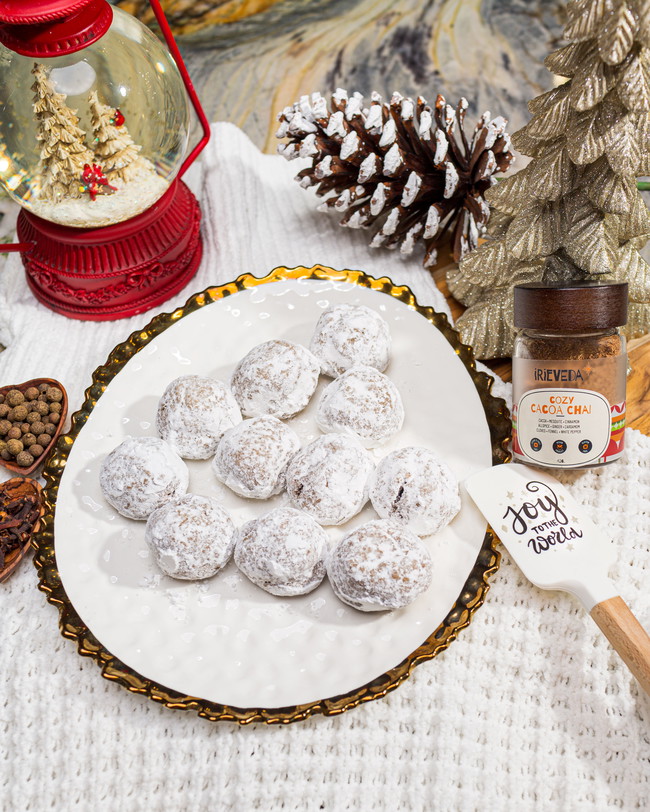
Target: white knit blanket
[(529, 709)]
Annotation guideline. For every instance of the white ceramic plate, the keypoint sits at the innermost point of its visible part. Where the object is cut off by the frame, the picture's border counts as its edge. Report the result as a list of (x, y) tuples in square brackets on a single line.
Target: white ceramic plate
[(224, 639)]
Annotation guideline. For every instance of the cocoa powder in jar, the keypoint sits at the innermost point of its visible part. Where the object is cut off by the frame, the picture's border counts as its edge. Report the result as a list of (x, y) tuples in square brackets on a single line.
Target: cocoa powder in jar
[(569, 367)]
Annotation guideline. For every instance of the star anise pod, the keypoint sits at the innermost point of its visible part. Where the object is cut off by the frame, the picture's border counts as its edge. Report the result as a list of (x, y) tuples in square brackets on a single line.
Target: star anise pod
[(403, 169)]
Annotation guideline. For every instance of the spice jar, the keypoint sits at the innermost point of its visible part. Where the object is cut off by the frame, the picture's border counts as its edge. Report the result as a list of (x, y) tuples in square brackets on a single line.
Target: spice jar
[(568, 374)]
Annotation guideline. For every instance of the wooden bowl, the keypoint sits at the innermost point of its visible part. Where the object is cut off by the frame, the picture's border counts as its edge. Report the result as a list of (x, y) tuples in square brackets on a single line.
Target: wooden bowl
[(38, 461), (15, 488)]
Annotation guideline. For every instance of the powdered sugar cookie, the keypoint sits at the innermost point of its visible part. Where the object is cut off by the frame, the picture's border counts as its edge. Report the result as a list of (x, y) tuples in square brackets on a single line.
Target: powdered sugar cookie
[(193, 413), (414, 488), (282, 552), (347, 335), (364, 403), (190, 537), (140, 475), (378, 566), (252, 457), (276, 378), (329, 478)]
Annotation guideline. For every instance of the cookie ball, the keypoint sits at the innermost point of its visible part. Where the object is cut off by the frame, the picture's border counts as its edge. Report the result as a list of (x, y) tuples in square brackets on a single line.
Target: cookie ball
[(282, 552), (379, 566), (252, 457), (276, 378), (193, 414), (190, 537), (329, 478), (364, 403), (347, 335), (142, 474), (414, 488)]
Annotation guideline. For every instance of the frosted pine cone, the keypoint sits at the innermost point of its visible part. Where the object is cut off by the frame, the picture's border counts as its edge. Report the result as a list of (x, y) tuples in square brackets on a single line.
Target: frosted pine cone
[(403, 169)]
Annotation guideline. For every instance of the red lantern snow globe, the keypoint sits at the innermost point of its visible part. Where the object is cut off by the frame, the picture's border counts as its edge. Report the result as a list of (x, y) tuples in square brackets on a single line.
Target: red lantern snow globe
[(94, 128)]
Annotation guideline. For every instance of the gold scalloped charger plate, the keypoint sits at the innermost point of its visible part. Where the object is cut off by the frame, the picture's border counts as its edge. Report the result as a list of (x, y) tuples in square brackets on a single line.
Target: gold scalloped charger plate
[(223, 647)]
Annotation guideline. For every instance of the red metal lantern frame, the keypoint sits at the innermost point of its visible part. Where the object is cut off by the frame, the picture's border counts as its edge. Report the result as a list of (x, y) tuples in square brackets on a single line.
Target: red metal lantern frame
[(124, 269)]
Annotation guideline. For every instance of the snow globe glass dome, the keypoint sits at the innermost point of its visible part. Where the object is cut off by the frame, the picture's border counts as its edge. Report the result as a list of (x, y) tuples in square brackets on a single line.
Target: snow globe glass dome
[(92, 137)]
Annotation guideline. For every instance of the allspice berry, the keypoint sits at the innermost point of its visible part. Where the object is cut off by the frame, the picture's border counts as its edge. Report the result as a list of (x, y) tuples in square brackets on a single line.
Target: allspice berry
[(43, 387), (5, 425), (38, 427), (25, 427), (33, 417), (5, 454), (24, 459), (53, 418), (43, 439), (14, 433), (14, 447), (54, 394), (31, 393), (27, 439), (36, 450), (54, 407), (50, 429), (18, 413), (41, 407), (14, 397), (5, 409)]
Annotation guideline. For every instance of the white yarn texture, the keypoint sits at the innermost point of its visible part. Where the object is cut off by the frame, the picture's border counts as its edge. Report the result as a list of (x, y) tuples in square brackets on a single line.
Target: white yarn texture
[(530, 709)]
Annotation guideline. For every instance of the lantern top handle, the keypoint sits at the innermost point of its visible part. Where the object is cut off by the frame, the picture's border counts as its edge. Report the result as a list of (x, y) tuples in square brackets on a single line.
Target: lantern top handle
[(49, 28), (30, 12)]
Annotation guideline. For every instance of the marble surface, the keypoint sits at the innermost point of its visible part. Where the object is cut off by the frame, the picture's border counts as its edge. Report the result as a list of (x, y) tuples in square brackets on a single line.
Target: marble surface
[(250, 58)]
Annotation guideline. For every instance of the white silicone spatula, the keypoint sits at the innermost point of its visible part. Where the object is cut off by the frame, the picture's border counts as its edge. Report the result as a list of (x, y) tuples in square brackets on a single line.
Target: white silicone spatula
[(557, 546)]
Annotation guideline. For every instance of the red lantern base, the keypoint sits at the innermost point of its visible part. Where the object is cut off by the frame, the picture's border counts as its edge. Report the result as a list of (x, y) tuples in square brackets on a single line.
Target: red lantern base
[(108, 273)]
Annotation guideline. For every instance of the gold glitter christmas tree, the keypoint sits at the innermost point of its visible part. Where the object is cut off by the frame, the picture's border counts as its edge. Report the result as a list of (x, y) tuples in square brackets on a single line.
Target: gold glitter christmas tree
[(574, 212)]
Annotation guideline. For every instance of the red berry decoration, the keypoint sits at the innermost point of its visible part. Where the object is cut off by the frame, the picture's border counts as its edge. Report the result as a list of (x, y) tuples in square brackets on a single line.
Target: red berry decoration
[(118, 119), (95, 182)]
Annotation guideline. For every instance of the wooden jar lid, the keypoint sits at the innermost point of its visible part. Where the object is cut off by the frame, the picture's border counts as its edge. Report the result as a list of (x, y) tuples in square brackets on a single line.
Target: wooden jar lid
[(570, 307)]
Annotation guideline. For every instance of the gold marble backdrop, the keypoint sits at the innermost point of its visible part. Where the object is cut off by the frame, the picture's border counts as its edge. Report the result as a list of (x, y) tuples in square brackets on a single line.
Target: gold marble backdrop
[(250, 58), (188, 16)]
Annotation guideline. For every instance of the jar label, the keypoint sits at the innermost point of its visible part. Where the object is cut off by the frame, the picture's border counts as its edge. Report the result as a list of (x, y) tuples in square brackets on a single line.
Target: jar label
[(569, 426)]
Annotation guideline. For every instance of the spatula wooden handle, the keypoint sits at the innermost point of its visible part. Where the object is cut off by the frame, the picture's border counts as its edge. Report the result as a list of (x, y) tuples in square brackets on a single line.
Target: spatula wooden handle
[(627, 636)]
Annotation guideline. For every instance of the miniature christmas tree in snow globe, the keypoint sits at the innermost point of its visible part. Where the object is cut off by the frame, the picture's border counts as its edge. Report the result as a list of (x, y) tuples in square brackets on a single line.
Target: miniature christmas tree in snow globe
[(64, 152), (82, 185), (115, 150), (63, 145)]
